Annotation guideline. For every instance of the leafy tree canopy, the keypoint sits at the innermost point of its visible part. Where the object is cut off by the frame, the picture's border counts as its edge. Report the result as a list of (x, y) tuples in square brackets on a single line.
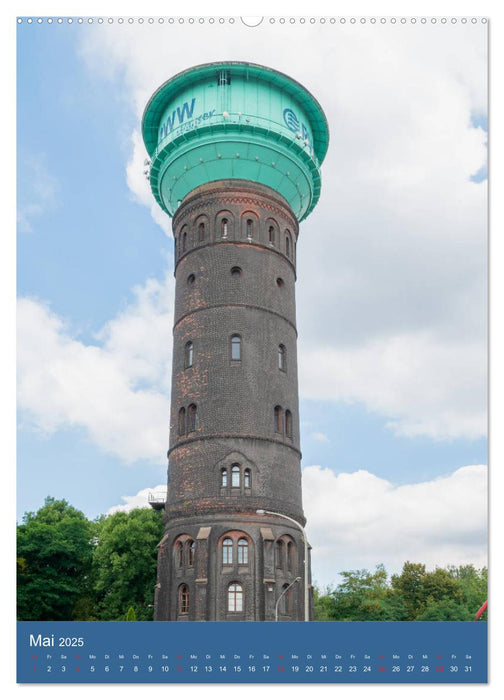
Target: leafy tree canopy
[(54, 550), (125, 562), (455, 593)]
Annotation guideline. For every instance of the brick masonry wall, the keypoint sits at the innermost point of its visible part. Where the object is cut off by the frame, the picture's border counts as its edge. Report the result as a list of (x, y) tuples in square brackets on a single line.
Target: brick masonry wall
[(235, 275)]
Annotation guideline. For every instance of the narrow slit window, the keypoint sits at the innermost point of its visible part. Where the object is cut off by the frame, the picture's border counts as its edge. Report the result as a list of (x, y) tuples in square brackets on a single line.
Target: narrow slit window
[(181, 421), (279, 554), (191, 549), (290, 556), (184, 241), (189, 354), (250, 230), (246, 479), (236, 347), (278, 419), (282, 358), (288, 423), (287, 245), (179, 554), (271, 235), (192, 418), (201, 232), (224, 228)]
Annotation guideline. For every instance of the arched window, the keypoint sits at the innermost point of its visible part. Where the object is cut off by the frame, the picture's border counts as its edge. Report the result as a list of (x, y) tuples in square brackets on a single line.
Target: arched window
[(179, 554), (201, 232), (279, 554), (224, 477), (290, 556), (288, 423), (224, 228), (246, 479), (235, 347), (242, 551), (181, 421), (192, 421), (287, 244), (250, 228), (271, 235), (189, 354), (235, 475), (227, 551), (282, 358), (191, 549), (235, 597), (184, 599), (184, 241), (278, 419)]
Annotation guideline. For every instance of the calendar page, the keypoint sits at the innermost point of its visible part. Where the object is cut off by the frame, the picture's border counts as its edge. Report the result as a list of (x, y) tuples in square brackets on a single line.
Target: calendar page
[(252, 349)]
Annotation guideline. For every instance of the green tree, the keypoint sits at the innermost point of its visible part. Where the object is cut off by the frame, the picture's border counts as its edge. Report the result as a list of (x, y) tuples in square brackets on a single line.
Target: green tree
[(125, 562), (415, 594), (409, 586), (394, 609), (474, 586), (323, 605), (130, 615), (360, 596), (54, 550), (444, 610), (439, 585)]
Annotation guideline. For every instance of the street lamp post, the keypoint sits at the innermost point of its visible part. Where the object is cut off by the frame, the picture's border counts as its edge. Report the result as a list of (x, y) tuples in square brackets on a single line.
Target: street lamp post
[(283, 593), (260, 511)]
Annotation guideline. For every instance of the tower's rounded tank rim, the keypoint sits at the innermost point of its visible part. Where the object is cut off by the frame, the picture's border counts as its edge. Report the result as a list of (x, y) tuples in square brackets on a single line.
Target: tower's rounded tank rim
[(155, 107)]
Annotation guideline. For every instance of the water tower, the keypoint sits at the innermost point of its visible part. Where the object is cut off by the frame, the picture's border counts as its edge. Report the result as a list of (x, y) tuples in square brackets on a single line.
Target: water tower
[(235, 152)]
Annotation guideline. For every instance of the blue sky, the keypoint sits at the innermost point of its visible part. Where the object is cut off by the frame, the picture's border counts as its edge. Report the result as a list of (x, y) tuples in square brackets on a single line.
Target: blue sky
[(393, 260)]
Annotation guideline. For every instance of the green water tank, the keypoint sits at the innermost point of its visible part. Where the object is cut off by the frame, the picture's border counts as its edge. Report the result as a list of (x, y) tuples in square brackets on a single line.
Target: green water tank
[(235, 120)]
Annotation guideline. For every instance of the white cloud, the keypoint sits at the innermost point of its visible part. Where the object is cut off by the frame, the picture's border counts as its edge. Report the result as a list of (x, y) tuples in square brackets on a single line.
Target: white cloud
[(392, 263), (389, 375), (319, 437), (139, 500), (359, 520), (116, 391), (37, 192)]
